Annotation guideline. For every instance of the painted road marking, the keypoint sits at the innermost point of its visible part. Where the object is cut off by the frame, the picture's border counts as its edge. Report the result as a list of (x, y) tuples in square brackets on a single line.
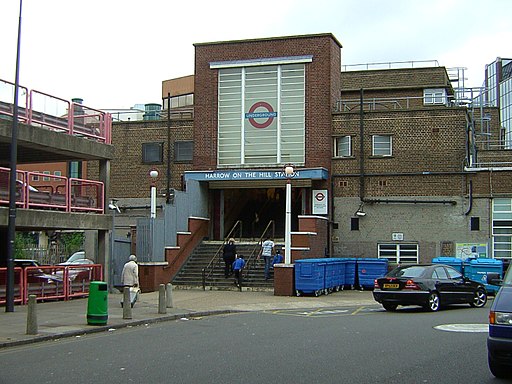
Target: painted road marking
[(470, 328), (324, 312)]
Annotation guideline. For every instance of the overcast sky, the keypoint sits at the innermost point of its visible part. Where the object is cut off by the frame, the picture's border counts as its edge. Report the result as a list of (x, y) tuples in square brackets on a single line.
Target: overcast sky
[(116, 53)]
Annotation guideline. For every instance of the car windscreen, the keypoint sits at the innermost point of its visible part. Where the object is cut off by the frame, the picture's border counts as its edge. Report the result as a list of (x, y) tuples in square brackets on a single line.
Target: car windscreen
[(412, 271)]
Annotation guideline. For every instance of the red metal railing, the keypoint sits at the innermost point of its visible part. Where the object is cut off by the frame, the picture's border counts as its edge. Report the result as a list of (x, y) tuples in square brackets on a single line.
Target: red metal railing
[(45, 110), (48, 282), (53, 192)]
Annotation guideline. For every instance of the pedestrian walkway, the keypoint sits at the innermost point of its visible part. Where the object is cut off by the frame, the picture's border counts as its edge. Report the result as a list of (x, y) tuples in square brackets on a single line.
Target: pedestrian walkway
[(68, 318)]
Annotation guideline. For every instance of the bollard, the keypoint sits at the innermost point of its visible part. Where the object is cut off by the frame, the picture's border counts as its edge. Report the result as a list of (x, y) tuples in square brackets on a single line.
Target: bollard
[(32, 315), (127, 307), (168, 295), (161, 299)]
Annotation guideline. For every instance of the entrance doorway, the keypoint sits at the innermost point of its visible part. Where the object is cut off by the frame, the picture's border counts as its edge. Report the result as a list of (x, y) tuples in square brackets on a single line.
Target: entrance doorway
[(256, 207)]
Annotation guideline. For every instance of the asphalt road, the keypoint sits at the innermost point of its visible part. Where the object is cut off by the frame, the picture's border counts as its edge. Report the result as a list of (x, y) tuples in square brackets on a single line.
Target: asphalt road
[(328, 345)]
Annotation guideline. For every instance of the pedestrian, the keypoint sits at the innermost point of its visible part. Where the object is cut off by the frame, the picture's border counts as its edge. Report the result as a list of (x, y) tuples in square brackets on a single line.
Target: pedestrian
[(278, 258), (228, 255), (130, 274), (238, 266), (267, 248)]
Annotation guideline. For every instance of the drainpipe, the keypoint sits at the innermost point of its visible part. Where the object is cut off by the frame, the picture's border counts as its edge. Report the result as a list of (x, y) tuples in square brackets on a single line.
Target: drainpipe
[(361, 147)]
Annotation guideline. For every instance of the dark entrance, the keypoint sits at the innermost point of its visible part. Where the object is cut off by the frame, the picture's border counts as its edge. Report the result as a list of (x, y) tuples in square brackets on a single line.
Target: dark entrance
[(257, 207)]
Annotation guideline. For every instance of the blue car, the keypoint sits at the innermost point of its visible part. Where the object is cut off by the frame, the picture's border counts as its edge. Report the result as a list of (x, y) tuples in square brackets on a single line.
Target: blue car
[(499, 341)]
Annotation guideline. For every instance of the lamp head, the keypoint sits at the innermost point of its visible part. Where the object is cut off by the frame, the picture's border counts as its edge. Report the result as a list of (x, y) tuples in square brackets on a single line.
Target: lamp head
[(288, 170), (153, 173), (361, 213)]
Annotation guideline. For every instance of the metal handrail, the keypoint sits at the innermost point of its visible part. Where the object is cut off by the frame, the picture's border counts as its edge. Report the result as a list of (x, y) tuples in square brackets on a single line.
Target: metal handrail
[(253, 257), (216, 259)]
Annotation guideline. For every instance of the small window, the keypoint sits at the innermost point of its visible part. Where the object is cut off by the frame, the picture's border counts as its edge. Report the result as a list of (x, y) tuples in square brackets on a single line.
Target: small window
[(46, 178), (354, 223), (152, 153), (183, 150), (398, 252), (57, 173), (381, 145), (343, 146), (475, 223), (35, 177), (434, 96)]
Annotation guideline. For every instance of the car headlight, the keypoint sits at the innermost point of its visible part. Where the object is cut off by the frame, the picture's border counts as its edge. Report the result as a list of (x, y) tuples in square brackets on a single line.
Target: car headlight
[(501, 318)]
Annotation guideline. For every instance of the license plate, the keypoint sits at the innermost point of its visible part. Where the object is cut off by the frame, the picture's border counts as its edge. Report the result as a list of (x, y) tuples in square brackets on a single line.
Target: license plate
[(390, 286)]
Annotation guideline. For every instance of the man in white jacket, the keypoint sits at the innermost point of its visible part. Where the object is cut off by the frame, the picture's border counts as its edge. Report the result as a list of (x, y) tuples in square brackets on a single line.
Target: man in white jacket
[(130, 274)]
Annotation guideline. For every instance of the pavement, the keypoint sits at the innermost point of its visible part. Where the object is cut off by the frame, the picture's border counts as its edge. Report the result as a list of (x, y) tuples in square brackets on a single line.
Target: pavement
[(59, 319)]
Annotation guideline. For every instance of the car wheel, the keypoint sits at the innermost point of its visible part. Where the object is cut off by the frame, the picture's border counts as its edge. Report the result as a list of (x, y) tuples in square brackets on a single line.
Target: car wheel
[(499, 370), (433, 302), (479, 299), (390, 307)]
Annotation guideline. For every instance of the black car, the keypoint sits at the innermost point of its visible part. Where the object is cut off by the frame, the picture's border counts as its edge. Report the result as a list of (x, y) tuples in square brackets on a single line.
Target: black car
[(430, 286)]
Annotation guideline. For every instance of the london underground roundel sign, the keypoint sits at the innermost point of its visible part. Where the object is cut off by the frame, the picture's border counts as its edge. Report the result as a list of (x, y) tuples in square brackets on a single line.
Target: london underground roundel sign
[(267, 113)]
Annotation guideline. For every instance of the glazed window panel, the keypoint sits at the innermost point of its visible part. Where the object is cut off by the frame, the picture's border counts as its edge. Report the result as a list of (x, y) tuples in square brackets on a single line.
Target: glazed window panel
[(152, 153), (502, 228), (398, 253), (261, 118), (382, 145), (343, 146), (434, 96)]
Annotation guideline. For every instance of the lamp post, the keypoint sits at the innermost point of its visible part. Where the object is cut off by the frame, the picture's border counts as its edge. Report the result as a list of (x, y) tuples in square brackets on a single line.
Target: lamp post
[(113, 207), (288, 172), (153, 174), (152, 212)]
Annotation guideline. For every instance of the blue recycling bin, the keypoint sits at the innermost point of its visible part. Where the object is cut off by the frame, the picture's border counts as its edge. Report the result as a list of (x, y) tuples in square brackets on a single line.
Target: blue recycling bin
[(339, 266), (477, 270), (310, 276), (369, 269), (350, 272), (453, 262)]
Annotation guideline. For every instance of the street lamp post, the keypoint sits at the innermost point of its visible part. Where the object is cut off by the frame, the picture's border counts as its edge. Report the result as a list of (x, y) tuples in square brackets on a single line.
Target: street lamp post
[(152, 213), (114, 208), (288, 172)]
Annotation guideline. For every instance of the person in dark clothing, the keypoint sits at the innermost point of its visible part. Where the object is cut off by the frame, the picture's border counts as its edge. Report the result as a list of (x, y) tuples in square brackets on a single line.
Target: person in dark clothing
[(228, 255)]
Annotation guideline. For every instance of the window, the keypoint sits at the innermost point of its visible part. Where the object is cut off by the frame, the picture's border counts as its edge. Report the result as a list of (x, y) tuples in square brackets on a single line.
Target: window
[(453, 274), (183, 150), (381, 145), (342, 146), (475, 223), (439, 273), (434, 96), (57, 173), (354, 223), (152, 153), (46, 178), (35, 177), (398, 253), (502, 228)]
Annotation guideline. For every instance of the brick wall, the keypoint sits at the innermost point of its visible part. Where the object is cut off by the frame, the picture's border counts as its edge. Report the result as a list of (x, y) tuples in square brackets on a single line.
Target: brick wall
[(322, 88)]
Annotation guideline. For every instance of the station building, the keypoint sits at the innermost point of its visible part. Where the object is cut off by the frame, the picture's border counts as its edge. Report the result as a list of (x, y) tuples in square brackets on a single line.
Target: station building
[(391, 162)]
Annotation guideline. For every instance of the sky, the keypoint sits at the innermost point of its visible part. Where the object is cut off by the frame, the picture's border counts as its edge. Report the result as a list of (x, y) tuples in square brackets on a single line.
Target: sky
[(116, 53)]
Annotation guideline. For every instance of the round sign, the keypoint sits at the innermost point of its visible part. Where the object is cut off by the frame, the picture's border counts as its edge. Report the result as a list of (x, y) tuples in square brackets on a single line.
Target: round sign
[(269, 115), (319, 196)]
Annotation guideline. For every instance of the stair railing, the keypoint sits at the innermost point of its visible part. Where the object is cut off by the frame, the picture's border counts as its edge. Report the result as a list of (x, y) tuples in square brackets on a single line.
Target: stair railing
[(251, 261), (215, 261)]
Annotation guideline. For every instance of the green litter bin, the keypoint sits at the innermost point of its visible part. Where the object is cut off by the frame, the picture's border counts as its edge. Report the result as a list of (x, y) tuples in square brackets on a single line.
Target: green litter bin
[(97, 304)]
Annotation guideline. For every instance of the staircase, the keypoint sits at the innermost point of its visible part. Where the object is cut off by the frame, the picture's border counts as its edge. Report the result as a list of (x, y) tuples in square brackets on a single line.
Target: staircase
[(190, 275)]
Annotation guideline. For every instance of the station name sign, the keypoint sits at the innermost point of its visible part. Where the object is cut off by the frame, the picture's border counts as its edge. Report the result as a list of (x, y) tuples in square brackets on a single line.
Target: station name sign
[(251, 174)]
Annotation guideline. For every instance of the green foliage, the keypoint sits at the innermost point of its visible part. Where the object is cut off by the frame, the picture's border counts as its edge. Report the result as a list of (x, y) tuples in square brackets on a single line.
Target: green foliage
[(72, 242), (22, 242)]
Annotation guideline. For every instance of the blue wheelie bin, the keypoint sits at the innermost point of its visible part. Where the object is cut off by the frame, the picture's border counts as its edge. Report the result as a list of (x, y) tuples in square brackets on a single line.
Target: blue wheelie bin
[(369, 269), (477, 270), (453, 262), (339, 265), (310, 276), (350, 272)]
